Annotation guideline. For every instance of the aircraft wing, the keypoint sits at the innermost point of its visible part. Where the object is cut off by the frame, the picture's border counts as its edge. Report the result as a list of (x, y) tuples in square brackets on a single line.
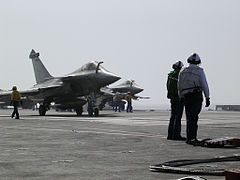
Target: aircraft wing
[(141, 97), (107, 91), (6, 95)]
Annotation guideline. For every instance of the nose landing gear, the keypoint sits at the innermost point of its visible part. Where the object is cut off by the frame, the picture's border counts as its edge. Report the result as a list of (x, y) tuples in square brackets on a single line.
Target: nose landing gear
[(92, 107)]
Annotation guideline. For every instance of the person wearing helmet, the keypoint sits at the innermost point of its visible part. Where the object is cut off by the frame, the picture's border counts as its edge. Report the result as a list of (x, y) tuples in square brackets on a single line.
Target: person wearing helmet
[(174, 127), (15, 99), (118, 98), (128, 98), (192, 82)]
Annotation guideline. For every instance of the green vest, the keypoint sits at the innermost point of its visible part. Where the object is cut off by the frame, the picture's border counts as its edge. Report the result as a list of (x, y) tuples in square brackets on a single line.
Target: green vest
[(172, 90)]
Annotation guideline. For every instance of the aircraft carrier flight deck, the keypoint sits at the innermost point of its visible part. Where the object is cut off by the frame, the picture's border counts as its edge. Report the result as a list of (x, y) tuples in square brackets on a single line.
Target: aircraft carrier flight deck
[(112, 146)]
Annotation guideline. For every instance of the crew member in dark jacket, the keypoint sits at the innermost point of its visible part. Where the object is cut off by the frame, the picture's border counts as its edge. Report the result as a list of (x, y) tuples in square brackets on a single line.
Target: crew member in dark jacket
[(174, 128)]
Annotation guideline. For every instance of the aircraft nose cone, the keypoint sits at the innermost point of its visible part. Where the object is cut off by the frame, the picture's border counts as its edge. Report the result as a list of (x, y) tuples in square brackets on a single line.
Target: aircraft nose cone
[(140, 89), (113, 78), (107, 78), (137, 90), (110, 78)]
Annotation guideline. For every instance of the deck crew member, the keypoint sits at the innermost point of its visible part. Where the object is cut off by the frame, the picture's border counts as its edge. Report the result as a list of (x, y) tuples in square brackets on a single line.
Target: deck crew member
[(191, 83), (15, 99), (128, 98), (174, 127)]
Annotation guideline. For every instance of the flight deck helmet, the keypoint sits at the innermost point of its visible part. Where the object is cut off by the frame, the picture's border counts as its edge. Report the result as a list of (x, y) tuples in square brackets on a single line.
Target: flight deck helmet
[(178, 65), (194, 59), (14, 88)]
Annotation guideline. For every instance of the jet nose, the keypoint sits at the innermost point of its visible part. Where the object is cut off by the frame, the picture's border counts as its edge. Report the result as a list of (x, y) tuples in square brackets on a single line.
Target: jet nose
[(113, 78), (137, 90), (140, 89), (110, 78)]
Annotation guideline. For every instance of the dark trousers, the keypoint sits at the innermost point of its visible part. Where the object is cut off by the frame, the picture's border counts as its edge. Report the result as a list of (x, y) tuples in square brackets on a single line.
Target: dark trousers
[(117, 106), (15, 110), (129, 106), (174, 127), (193, 106)]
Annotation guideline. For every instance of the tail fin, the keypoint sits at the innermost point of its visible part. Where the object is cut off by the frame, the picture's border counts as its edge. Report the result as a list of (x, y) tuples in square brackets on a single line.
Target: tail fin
[(41, 73)]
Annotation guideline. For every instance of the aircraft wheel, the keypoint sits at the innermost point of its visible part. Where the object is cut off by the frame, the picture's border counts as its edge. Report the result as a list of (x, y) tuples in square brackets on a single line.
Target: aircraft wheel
[(42, 110), (96, 112), (90, 112), (79, 111), (122, 107), (101, 106)]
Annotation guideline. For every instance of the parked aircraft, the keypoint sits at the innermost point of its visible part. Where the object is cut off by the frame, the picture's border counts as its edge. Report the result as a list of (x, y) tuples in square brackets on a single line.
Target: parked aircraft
[(70, 91), (123, 89), (128, 86)]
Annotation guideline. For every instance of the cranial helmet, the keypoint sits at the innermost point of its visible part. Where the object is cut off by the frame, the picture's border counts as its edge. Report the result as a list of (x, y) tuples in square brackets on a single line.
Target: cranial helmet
[(177, 65), (14, 88), (194, 59)]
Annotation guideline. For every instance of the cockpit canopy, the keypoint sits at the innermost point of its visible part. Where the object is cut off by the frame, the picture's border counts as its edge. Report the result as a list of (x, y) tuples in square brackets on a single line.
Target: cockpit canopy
[(128, 83), (91, 66)]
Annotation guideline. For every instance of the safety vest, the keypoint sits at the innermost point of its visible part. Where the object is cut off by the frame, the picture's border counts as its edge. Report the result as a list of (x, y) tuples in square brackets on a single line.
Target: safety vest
[(189, 80), (118, 98), (15, 96), (128, 97)]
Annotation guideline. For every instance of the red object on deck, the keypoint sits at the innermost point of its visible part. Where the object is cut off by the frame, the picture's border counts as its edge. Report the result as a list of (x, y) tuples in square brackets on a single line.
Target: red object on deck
[(232, 174)]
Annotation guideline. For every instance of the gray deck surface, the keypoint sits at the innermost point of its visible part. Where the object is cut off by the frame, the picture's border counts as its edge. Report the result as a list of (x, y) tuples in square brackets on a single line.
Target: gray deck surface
[(112, 146)]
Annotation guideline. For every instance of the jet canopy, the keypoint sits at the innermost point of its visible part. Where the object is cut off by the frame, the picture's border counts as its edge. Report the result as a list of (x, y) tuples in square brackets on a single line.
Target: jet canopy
[(91, 66), (128, 83)]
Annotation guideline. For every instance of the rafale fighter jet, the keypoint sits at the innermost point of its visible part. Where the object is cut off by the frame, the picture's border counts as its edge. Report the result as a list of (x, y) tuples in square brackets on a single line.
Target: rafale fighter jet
[(70, 91), (123, 89), (128, 86)]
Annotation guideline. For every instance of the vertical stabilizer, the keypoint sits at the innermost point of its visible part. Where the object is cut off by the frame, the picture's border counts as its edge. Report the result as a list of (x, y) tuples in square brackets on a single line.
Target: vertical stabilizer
[(41, 73)]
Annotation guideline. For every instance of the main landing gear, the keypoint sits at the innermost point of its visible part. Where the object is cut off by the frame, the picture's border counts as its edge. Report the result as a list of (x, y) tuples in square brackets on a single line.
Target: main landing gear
[(42, 110), (79, 111), (93, 111)]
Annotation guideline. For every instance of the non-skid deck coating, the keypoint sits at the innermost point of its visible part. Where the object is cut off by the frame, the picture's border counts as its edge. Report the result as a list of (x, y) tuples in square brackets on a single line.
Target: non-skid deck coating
[(112, 146)]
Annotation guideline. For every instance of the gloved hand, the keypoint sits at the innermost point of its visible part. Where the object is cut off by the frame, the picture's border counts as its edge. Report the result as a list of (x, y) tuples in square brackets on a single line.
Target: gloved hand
[(207, 102)]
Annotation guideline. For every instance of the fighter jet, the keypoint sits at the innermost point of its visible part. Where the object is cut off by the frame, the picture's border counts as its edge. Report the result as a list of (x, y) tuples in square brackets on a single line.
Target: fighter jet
[(128, 86), (71, 91), (123, 89)]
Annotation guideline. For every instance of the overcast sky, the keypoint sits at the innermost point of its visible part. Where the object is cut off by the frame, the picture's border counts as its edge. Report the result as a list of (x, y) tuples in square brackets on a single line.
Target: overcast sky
[(136, 39)]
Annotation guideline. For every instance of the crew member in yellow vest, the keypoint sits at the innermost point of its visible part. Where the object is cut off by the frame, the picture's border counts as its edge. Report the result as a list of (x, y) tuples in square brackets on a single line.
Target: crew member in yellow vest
[(15, 99), (129, 97), (117, 101)]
